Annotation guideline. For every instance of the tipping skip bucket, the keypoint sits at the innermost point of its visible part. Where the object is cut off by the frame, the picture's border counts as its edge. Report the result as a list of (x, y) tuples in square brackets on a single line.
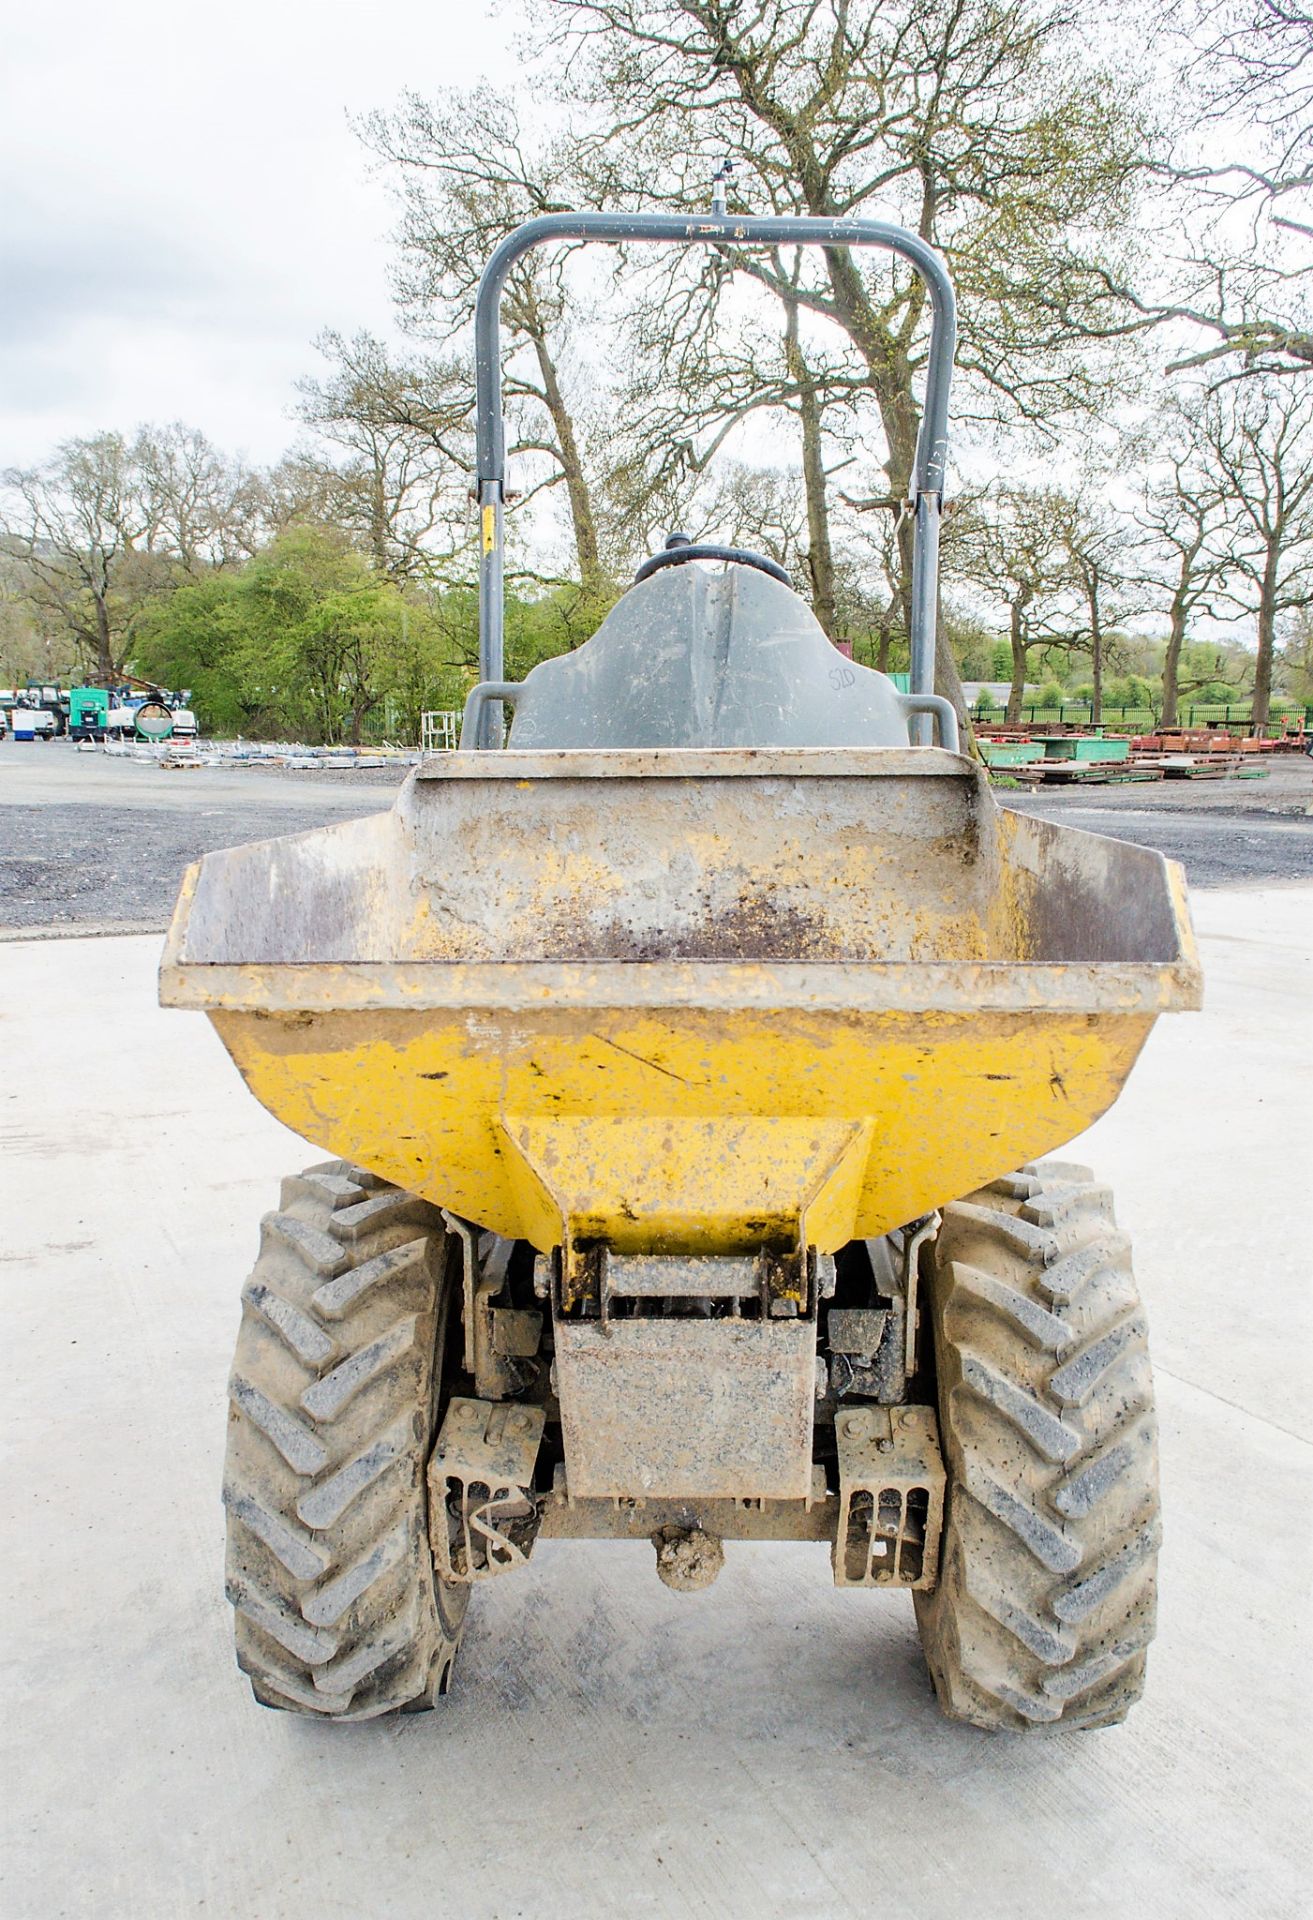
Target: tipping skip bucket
[(686, 999)]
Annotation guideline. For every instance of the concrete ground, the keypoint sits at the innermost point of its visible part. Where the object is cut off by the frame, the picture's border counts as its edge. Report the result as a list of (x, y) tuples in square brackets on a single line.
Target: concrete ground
[(768, 1749)]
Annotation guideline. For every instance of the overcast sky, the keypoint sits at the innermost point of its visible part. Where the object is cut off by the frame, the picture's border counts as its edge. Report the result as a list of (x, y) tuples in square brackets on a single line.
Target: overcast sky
[(183, 205)]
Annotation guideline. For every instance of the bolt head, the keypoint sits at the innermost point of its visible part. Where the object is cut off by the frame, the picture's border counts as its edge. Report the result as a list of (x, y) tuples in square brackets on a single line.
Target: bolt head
[(884, 1446)]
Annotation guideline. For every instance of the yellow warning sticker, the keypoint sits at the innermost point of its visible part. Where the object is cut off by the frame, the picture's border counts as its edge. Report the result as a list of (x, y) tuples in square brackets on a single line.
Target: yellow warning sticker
[(489, 528)]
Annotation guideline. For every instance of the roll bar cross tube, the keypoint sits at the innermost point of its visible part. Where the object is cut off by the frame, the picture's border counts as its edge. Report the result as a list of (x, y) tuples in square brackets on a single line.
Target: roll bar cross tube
[(712, 229)]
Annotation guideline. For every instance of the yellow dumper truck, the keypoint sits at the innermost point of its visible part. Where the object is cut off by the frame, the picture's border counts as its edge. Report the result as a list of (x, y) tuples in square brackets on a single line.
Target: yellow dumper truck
[(688, 1056)]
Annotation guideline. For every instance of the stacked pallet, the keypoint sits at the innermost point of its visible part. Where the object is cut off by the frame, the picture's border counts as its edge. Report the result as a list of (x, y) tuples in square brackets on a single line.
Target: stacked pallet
[(1088, 773)]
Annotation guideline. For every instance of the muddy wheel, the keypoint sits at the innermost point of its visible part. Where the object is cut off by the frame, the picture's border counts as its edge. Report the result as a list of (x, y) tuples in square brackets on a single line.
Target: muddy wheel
[(333, 1404), (1045, 1600)]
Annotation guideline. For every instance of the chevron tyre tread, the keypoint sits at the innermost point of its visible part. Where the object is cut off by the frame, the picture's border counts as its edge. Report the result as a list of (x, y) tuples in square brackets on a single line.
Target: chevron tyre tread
[(1045, 1601), (333, 1404)]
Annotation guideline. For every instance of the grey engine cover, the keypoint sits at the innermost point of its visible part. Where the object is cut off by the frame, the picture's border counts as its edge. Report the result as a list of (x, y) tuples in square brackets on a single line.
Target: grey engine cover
[(690, 658)]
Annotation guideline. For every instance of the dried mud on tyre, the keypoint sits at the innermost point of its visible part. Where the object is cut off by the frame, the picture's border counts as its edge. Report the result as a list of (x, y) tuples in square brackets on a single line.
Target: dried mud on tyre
[(1046, 1595), (333, 1402)]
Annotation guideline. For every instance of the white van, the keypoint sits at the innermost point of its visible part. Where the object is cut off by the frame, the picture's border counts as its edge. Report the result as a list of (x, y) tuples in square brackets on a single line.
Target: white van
[(33, 723)]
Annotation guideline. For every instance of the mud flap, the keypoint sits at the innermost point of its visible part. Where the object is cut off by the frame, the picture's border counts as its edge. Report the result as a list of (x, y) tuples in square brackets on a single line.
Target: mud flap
[(687, 1407)]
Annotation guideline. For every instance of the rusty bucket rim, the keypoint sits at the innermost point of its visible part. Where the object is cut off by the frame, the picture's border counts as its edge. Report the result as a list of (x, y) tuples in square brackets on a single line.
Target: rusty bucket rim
[(698, 763)]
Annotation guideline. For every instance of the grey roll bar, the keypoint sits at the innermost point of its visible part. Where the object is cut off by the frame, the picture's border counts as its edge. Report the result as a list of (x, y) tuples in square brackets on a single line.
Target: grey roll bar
[(716, 228), (941, 711)]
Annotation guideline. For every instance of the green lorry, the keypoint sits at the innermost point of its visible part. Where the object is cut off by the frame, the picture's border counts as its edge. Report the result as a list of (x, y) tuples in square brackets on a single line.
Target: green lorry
[(88, 713)]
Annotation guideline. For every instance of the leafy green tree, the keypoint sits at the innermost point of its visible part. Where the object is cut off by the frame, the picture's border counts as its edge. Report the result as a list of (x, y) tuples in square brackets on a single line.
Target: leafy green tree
[(972, 642), (323, 631), (307, 640), (196, 638), (1010, 545), (1130, 692), (1215, 674)]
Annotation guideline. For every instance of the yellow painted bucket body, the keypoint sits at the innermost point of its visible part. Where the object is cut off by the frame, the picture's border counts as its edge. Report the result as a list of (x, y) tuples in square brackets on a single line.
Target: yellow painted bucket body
[(686, 1000)]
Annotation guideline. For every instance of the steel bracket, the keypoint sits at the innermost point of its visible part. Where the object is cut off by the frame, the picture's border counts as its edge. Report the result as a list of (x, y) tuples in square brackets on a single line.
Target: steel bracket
[(584, 1278), (873, 1349), (891, 1497), (491, 1352), (484, 1512)]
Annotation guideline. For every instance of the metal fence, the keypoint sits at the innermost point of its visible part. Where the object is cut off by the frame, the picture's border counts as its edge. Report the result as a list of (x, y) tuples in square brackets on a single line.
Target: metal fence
[(1081, 713)]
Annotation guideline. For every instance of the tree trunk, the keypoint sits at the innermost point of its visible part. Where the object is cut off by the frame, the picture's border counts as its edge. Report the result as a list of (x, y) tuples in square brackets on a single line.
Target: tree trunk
[(885, 633), (899, 469), (948, 682), (1017, 636), (1096, 648), (1186, 592), (105, 664), (1267, 628), (378, 520), (889, 375), (582, 518), (1172, 657), (820, 552)]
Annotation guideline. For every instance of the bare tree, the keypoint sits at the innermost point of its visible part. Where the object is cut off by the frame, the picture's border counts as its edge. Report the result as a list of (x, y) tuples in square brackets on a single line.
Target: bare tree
[(1011, 544), (107, 525), (80, 524), (403, 427), (979, 123), (1252, 60), (195, 502), (758, 507), (1099, 547), (466, 174), (1260, 436), (1238, 177), (697, 380), (1184, 514)]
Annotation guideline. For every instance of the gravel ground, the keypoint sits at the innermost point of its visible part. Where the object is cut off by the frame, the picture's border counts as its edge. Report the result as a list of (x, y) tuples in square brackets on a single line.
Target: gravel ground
[(1225, 833), (1218, 847), (115, 868), (88, 843)]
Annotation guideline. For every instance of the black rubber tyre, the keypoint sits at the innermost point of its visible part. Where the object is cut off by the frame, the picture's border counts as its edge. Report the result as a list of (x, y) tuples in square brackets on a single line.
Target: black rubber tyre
[(1046, 1593), (333, 1405)]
